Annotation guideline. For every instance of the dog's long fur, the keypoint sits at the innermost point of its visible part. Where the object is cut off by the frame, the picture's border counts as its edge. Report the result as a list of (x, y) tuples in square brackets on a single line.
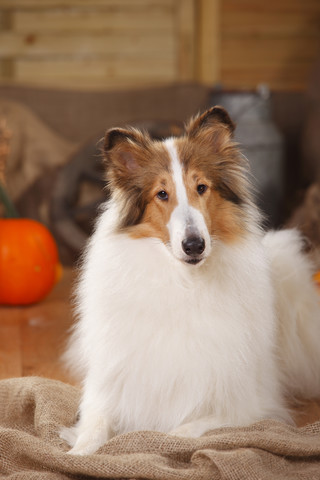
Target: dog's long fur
[(189, 316)]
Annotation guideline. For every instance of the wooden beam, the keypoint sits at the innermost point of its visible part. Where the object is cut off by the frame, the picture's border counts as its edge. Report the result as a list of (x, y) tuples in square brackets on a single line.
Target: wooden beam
[(185, 39), (84, 45), (208, 69), (95, 19), (45, 4), (6, 64)]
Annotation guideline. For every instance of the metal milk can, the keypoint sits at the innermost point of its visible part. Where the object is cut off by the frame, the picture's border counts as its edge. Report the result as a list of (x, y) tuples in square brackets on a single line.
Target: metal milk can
[(262, 144)]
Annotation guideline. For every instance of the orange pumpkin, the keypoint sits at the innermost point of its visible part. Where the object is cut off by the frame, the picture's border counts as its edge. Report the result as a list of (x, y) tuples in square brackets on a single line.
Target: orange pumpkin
[(29, 262), (316, 278)]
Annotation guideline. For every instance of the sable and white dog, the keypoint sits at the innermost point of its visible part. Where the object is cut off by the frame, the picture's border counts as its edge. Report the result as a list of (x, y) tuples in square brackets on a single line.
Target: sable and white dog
[(189, 316)]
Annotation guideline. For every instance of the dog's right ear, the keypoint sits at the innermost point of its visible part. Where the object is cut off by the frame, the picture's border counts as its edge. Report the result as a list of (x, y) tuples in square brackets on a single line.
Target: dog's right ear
[(117, 135), (126, 153), (121, 148)]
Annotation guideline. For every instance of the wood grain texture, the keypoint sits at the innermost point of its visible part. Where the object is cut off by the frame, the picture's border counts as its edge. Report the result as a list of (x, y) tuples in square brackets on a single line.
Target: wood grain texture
[(269, 42), (84, 45), (103, 72), (138, 19), (107, 43), (45, 4), (32, 338), (10, 348), (209, 42), (97, 44), (185, 39)]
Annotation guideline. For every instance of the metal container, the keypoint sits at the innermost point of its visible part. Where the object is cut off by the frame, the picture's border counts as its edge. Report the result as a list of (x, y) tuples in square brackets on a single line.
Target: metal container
[(262, 144)]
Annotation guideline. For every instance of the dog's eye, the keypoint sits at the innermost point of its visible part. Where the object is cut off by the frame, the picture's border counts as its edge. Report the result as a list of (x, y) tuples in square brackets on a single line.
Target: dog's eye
[(162, 195), (201, 189)]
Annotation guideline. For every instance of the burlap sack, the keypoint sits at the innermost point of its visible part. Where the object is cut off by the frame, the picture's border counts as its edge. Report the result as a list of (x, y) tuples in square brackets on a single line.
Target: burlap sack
[(35, 149), (33, 409)]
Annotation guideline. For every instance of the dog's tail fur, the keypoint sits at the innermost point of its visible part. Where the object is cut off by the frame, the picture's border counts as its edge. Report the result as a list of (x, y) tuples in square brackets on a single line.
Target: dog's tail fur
[(298, 309)]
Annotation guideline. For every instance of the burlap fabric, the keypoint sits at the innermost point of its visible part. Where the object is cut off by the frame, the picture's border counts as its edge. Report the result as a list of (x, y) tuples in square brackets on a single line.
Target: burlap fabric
[(33, 409)]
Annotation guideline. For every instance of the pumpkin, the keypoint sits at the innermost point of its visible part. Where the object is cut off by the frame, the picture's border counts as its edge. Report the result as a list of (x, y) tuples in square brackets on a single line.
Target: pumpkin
[(29, 263)]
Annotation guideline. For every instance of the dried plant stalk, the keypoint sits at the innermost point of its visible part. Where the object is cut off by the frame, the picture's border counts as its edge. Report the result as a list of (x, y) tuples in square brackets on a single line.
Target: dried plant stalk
[(5, 137), (5, 202)]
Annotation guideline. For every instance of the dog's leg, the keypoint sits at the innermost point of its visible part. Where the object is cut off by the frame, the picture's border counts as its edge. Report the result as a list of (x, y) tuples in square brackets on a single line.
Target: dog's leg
[(93, 431), (93, 427)]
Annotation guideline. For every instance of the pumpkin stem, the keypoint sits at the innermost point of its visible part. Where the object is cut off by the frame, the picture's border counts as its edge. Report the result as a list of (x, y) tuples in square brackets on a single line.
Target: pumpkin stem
[(10, 209)]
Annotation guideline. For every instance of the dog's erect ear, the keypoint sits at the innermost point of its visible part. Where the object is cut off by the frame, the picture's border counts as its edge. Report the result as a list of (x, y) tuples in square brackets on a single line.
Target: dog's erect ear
[(116, 135), (214, 117), (127, 152), (121, 145)]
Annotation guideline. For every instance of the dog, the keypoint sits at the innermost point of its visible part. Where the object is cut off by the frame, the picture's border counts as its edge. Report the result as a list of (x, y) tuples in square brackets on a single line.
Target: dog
[(189, 316)]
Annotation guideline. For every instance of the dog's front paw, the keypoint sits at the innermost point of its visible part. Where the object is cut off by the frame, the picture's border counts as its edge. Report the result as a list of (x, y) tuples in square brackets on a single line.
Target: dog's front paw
[(79, 446), (85, 445), (69, 435), (85, 441)]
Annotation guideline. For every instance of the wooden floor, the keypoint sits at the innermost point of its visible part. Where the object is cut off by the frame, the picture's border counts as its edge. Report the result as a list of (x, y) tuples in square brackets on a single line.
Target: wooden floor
[(32, 340)]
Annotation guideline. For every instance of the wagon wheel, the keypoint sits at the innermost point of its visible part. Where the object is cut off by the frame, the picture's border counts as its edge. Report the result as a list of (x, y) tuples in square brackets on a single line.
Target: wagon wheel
[(79, 188)]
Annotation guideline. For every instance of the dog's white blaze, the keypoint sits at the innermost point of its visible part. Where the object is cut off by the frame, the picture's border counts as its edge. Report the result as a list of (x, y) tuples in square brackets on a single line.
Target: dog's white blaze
[(185, 219), (181, 192)]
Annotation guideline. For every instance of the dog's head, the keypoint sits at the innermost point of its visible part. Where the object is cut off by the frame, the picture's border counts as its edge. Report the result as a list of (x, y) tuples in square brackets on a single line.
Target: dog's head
[(187, 191)]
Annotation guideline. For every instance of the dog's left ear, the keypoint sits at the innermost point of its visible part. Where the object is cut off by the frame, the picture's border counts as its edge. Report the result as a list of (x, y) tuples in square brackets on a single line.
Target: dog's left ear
[(214, 117)]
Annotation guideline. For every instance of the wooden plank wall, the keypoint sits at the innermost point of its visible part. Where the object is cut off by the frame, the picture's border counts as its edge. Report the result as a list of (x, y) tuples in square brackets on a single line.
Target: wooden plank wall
[(96, 43), (273, 42), (108, 43)]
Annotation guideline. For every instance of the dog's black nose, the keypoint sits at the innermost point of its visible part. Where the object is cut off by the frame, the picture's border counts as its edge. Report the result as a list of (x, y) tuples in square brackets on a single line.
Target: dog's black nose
[(193, 245)]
